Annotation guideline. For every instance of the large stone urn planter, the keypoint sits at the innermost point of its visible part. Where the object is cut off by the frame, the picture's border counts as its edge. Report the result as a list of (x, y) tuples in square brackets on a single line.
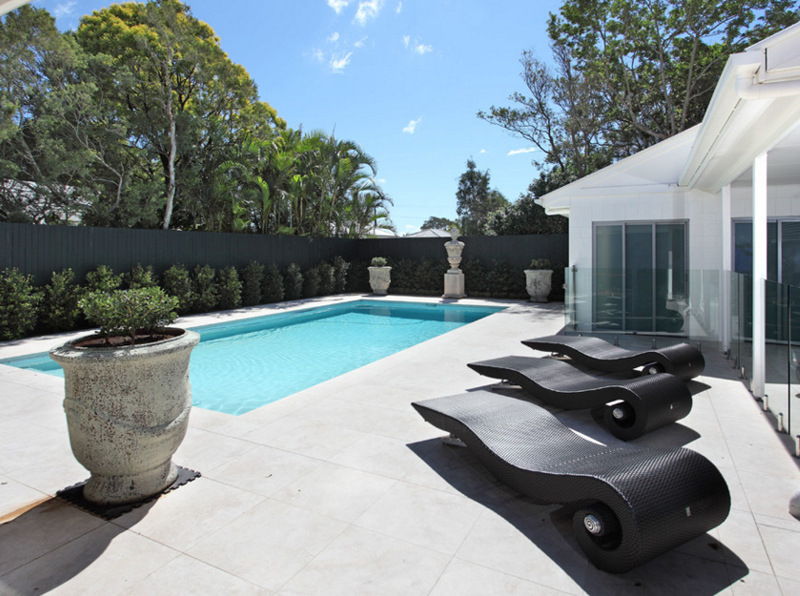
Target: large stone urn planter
[(379, 279), (538, 282), (127, 412)]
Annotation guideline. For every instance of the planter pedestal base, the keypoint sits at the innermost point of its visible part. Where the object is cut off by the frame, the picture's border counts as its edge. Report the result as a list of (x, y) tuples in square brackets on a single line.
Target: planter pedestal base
[(454, 284)]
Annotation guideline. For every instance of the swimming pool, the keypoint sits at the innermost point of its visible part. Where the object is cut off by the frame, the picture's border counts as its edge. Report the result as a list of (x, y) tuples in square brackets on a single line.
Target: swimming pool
[(240, 366)]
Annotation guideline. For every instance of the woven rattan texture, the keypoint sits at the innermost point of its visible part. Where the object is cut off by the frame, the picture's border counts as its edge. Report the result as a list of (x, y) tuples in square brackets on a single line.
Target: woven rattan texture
[(682, 360), (655, 400), (662, 498)]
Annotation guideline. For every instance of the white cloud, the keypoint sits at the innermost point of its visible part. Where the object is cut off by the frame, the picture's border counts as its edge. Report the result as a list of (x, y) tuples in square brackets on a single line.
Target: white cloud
[(338, 5), (399, 8), (318, 55), (525, 150), (422, 49), (381, 181), (338, 64), (412, 125), (63, 10), (483, 150), (367, 9), (360, 42), (406, 40), (334, 37)]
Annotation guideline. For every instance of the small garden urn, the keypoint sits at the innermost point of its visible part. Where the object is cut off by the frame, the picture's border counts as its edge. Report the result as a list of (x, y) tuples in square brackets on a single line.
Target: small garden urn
[(127, 410), (454, 278), (379, 276), (538, 280)]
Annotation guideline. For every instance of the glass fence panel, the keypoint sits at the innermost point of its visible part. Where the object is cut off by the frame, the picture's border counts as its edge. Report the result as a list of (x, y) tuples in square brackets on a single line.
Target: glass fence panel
[(778, 350)]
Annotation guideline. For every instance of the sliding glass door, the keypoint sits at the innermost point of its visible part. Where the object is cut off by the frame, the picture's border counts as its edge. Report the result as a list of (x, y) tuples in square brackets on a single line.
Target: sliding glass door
[(640, 277)]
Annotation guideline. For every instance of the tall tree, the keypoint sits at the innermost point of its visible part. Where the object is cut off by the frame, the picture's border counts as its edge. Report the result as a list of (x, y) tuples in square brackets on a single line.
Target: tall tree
[(437, 223), (474, 200), (627, 75)]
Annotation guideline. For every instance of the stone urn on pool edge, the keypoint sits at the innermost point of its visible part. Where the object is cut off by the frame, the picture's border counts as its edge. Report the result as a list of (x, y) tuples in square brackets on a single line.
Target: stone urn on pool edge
[(380, 276), (539, 280), (127, 394)]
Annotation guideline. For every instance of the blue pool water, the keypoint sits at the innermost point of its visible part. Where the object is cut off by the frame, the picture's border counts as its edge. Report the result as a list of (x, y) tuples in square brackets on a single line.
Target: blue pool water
[(240, 366)]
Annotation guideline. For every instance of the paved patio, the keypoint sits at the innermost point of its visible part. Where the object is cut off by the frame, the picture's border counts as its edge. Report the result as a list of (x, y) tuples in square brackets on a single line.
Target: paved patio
[(344, 489)]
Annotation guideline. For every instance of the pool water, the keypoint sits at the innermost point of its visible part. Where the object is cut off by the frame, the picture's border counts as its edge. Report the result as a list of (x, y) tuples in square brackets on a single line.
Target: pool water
[(240, 366)]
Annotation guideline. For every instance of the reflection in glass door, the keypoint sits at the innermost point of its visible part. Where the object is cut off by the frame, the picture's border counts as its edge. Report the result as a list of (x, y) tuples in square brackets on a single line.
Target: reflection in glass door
[(640, 277)]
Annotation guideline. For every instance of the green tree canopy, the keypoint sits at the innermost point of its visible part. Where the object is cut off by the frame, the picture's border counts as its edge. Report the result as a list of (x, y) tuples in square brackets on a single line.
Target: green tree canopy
[(626, 75), (437, 223), (474, 200)]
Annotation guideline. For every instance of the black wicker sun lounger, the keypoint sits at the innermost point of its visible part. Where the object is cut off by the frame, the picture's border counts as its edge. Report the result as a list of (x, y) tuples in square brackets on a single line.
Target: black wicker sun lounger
[(634, 503), (632, 407), (682, 360)]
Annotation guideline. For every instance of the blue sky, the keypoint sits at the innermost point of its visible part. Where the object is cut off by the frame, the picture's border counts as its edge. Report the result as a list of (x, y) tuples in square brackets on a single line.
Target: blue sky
[(404, 78)]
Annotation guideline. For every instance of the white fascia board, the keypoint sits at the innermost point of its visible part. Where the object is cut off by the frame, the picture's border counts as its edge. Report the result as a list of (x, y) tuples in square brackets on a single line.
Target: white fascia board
[(9, 5)]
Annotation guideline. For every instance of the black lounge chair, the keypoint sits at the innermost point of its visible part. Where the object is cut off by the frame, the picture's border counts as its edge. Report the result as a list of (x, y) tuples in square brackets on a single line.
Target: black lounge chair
[(633, 503), (682, 360), (631, 407)]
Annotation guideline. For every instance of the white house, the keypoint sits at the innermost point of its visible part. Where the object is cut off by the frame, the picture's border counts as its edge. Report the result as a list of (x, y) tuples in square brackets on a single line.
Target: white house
[(654, 237)]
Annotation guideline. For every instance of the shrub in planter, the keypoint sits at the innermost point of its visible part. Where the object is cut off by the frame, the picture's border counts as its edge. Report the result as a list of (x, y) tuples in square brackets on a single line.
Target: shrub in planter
[(140, 277), (205, 292), (311, 283), (252, 279), (293, 282), (327, 280), (340, 269), (272, 286), (177, 282), (127, 317), (230, 288), (127, 404), (60, 310), (19, 301), (102, 279)]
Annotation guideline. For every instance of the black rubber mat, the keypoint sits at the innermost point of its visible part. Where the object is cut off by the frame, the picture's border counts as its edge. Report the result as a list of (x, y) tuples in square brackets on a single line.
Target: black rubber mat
[(74, 495)]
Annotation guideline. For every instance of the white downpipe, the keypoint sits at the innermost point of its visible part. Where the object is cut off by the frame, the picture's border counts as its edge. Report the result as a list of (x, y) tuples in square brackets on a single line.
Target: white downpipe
[(725, 322), (759, 272)]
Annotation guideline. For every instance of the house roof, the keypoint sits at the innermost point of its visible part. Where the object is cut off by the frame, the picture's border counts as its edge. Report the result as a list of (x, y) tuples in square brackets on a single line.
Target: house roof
[(9, 5), (755, 108)]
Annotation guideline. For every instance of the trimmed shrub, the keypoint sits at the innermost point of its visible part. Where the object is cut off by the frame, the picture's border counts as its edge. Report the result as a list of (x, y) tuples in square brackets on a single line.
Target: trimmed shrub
[(311, 283), (378, 262), (177, 282), (404, 276), (126, 312), (431, 276), (60, 310), (340, 268), (252, 280), (358, 277), (101, 279), (140, 277), (327, 279), (272, 285), (293, 282), (204, 289), (19, 301), (230, 288)]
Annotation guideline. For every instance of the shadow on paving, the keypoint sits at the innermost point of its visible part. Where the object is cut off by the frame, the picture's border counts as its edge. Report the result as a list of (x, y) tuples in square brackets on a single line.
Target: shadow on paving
[(50, 544), (704, 566)]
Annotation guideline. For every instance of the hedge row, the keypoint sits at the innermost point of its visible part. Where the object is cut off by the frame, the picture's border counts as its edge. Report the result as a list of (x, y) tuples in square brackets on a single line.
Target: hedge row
[(26, 309)]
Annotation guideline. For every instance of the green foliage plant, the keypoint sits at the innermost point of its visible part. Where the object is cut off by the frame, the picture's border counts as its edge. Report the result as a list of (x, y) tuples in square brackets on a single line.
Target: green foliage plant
[(140, 277), (204, 289), (327, 279), (60, 311), (19, 302), (541, 264), (130, 313), (272, 284), (358, 277), (252, 279), (230, 288), (177, 282), (101, 279), (378, 262), (311, 283), (340, 268), (293, 282)]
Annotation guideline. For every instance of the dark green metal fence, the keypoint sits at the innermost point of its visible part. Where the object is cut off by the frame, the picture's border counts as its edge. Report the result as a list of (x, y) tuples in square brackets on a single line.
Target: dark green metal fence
[(39, 250)]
